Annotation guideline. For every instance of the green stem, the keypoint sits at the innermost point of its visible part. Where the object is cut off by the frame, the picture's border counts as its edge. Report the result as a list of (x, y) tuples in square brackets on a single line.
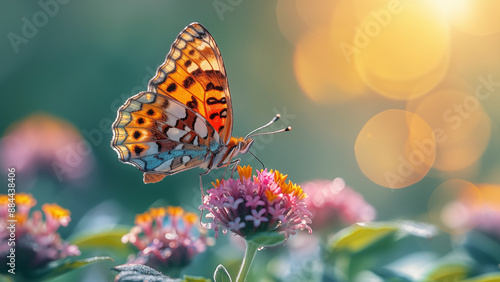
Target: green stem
[(247, 260)]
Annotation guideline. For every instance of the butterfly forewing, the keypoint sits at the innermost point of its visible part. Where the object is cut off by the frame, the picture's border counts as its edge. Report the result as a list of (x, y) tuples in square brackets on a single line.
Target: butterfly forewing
[(194, 74)]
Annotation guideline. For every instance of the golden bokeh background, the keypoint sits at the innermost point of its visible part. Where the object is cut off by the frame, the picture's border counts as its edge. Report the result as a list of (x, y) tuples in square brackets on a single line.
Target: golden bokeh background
[(400, 98), (428, 72)]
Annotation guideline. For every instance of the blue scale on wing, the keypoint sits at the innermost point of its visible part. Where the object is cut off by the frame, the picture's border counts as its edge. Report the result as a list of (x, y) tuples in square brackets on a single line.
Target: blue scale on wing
[(175, 160)]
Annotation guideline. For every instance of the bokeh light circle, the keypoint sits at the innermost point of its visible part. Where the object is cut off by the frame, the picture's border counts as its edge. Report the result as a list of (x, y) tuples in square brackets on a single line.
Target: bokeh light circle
[(402, 51), (478, 17), (462, 128), (490, 195), (322, 72), (395, 148)]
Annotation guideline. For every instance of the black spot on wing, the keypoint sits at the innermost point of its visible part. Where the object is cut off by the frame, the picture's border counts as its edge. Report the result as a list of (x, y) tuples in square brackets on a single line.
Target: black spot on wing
[(213, 101), (196, 72), (136, 134), (193, 104), (171, 87), (209, 87), (150, 112), (138, 149), (140, 120), (223, 113), (215, 74), (187, 63), (188, 82)]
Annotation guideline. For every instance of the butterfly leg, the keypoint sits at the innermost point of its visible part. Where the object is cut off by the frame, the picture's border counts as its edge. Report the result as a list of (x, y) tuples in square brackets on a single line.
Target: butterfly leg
[(201, 183), (235, 164)]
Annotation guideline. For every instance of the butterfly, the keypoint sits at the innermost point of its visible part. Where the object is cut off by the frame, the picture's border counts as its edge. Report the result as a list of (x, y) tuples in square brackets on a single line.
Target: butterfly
[(185, 118)]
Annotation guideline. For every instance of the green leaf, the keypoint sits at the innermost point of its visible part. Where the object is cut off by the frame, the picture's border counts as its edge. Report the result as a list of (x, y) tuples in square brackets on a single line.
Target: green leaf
[(364, 235), (137, 269), (60, 267), (110, 240), (482, 248), (221, 274), (267, 239), (386, 274), (358, 237), (490, 277), (363, 246), (448, 272), (140, 273), (6, 278)]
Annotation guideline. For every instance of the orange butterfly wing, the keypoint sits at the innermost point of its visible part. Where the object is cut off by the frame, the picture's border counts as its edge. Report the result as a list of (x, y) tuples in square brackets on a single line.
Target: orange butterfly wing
[(194, 74)]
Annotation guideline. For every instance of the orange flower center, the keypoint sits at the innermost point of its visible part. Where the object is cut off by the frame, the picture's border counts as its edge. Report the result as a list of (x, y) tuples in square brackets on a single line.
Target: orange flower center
[(25, 199), (157, 212), (175, 211), (190, 217), (143, 218), (245, 172), (56, 211)]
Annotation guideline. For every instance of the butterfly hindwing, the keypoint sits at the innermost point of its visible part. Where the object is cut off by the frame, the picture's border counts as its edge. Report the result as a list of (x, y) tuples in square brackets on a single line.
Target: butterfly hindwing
[(158, 134), (194, 74)]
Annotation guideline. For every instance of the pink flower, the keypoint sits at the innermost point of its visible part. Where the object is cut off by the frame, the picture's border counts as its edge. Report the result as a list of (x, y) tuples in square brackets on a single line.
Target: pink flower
[(36, 239), (253, 201), (265, 203), (333, 201), (166, 238), (43, 143), (257, 217), (487, 220), (464, 215)]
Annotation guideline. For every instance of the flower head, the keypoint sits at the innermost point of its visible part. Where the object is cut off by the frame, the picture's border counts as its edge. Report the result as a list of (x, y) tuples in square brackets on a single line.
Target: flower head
[(56, 216), (37, 241), (43, 143), (333, 203), (478, 211), (166, 238), (265, 203), (487, 221)]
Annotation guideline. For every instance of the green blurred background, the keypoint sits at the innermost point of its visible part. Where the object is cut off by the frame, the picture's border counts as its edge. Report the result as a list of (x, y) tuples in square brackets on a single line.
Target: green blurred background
[(87, 58)]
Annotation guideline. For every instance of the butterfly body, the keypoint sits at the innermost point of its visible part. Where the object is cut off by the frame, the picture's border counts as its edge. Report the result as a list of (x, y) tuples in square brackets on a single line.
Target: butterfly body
[(184, 120)]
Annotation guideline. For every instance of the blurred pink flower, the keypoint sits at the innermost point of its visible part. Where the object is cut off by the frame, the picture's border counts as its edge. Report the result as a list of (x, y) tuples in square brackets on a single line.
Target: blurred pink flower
[(461, 216), (166, 238), (36, 241), (487, 220), (332, 203), (44, 143), (249, 206)]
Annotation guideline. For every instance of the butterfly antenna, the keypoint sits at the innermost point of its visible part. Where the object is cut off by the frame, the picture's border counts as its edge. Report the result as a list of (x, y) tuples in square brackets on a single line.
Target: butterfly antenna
[(263, 166), (277, 117), (272, 132)]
